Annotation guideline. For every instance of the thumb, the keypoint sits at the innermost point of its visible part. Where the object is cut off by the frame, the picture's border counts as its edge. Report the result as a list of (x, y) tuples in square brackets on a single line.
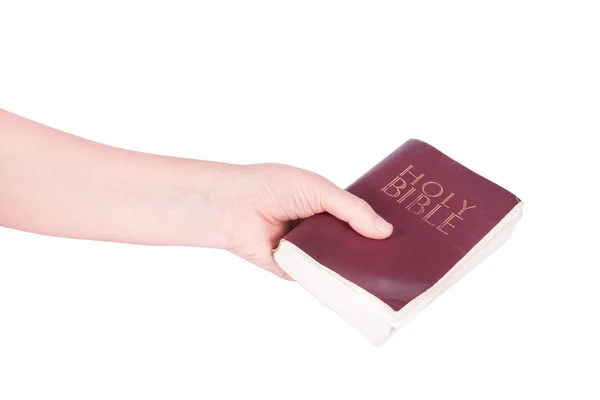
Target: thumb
[(355, 211)]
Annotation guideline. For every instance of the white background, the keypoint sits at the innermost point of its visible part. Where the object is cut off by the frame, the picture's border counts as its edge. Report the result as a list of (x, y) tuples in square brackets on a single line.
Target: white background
[(510, 89)]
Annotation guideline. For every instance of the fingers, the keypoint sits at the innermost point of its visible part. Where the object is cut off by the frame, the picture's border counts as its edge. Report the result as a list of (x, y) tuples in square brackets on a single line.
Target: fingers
[(286, 277), (276, 270), (355, 211)]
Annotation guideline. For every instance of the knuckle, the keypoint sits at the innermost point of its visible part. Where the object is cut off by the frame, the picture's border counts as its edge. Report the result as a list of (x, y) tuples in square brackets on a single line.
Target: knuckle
[(362, 205)]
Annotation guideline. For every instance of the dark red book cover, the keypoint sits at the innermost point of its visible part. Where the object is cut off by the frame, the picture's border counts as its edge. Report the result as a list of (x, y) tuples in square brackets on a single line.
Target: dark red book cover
[(439, 209)]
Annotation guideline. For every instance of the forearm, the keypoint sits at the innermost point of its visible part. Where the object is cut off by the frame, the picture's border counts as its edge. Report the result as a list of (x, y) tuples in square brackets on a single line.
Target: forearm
[(57, 184)]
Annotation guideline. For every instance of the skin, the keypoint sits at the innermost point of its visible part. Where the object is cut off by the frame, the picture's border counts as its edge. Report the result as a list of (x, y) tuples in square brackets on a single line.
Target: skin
[(57, 184)]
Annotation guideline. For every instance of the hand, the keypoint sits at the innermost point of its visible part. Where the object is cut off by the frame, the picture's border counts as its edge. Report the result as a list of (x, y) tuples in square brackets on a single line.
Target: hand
[(270, 198), (130, 197)]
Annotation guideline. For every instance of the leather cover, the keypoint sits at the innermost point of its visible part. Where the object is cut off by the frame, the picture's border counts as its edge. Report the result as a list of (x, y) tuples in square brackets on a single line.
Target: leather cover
[(439, 210)]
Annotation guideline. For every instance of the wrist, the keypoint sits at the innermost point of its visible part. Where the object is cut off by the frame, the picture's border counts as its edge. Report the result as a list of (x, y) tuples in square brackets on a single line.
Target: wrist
[(207, 204)]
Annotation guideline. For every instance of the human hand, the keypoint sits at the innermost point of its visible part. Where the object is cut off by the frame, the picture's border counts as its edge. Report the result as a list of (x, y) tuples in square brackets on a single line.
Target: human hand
[(268, 199), (130, 197)]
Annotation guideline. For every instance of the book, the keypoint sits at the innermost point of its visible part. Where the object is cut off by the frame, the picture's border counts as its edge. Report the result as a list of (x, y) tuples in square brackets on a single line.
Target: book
[(447, 219)]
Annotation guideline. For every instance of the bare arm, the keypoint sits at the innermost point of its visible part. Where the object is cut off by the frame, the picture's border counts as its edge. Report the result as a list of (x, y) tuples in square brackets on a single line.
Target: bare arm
[(57, 184)]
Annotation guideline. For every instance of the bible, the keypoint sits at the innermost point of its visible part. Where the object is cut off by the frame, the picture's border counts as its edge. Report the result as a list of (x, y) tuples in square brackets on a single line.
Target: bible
[(447, 219)]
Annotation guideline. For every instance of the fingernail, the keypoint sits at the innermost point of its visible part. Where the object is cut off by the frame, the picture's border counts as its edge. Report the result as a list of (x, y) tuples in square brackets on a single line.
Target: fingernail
[(383, 226)]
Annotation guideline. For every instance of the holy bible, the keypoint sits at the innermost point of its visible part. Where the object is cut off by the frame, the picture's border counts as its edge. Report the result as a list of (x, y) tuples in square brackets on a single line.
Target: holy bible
[(446, 219)]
